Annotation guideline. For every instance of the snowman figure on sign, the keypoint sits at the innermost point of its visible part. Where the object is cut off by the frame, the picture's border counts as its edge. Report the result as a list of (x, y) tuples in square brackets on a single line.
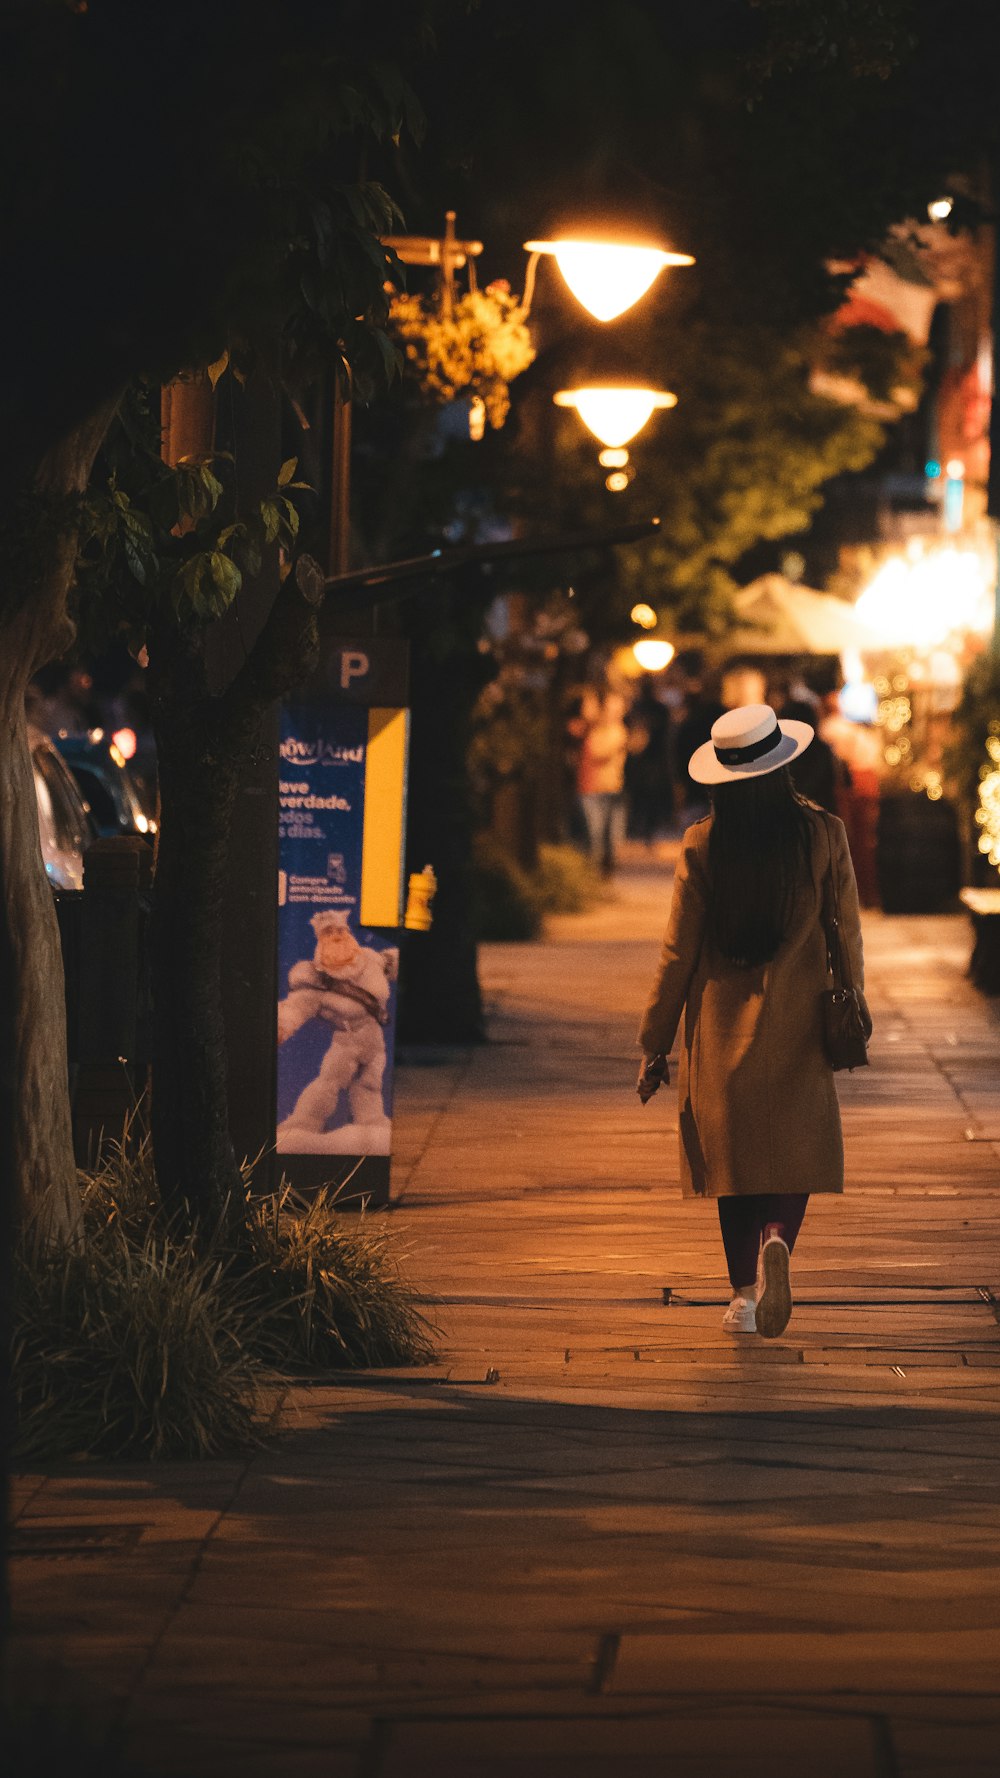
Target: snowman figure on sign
[(347, 986)]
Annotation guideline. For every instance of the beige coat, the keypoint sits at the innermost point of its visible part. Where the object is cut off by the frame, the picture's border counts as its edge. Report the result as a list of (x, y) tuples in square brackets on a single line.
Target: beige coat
[(758, 1106)]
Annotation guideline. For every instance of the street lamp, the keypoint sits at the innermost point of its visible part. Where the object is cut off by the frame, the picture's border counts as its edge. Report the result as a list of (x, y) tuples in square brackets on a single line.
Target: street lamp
[(614, 413), (607, 277), (653, 653)]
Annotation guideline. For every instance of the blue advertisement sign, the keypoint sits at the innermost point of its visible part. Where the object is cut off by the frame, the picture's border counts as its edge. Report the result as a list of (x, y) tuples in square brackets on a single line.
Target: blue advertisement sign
[(336, 977)]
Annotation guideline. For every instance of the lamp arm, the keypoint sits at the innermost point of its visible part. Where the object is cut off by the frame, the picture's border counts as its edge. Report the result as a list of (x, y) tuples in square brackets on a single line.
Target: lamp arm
[(529, 283)]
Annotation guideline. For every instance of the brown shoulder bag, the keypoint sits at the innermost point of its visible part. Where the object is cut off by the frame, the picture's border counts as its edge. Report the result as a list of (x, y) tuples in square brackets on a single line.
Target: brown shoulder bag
[(845, 1028)]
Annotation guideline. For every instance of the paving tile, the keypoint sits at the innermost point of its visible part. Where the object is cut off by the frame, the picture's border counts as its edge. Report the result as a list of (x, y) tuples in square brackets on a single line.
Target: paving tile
[(600, 1560), (662, 1746), (955, 1660)]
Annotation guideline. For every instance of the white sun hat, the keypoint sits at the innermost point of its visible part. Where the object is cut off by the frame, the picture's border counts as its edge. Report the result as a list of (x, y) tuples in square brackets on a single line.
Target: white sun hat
[(746, 743)]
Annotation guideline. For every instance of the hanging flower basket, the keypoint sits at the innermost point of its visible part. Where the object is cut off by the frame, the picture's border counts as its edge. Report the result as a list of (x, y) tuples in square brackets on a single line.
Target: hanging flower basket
[(474, 351)]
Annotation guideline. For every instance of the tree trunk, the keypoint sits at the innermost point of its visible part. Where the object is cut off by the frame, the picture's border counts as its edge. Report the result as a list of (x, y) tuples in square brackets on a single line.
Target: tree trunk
[(36, 1138), (201, 751), (38, 1191), (205, 746)]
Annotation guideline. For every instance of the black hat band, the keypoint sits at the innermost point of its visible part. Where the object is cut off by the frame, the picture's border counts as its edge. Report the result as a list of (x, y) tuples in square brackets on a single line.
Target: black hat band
[(741, 756)]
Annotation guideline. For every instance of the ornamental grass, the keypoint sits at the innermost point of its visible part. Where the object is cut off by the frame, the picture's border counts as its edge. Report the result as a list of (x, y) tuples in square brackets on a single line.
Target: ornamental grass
[(141, 1341), (329, 1293)]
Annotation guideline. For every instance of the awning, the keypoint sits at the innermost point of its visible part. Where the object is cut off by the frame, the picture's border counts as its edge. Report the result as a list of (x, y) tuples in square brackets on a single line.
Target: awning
[(779, 617)]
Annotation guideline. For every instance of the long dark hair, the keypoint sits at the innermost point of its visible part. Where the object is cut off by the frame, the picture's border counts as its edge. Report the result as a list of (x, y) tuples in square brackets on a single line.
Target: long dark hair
[(758, 854)]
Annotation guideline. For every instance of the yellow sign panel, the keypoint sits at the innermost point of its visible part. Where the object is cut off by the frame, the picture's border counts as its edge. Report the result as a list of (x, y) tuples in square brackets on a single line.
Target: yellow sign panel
[(385, 818)]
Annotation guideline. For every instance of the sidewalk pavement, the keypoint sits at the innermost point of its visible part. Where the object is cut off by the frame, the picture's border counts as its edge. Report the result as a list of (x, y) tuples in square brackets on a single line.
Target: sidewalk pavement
[(600, 1537)]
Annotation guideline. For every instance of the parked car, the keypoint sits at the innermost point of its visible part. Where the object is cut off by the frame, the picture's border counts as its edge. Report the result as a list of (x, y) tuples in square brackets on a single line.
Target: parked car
[(109, 791), (64, 826)]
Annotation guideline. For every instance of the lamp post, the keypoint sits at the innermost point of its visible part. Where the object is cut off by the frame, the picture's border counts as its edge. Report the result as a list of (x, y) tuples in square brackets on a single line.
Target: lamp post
[(607, 277), (446, 251)]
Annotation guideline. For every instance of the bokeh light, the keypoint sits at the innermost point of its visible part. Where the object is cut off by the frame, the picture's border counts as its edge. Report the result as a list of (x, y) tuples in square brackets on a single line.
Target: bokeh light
[(653, 654), (644, 616), (919, 603)]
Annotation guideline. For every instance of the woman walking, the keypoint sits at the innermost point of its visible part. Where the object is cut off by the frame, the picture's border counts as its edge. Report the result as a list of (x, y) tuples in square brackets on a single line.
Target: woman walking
[(745, 960)]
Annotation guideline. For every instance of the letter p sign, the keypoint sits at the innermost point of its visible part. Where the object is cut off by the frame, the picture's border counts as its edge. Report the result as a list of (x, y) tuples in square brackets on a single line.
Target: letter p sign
[(353, 665)]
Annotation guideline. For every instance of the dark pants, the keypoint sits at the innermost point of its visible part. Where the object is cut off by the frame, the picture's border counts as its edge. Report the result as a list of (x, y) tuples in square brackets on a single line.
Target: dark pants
[(743, 1221)]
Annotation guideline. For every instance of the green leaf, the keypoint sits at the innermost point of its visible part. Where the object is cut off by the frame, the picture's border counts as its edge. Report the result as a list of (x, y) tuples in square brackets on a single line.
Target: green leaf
[(286, 471), (190, 580), (134, 558), (271, 520), (250, 556), (226, 577), (211, 484)]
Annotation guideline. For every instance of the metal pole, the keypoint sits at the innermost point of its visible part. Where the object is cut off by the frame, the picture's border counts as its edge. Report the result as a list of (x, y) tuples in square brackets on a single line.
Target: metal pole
[(449, 254), (313, 583), (340, 478)]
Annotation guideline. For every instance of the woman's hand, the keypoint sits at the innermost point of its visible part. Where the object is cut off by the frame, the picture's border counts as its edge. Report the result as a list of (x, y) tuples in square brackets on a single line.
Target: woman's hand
[(652, 1074)]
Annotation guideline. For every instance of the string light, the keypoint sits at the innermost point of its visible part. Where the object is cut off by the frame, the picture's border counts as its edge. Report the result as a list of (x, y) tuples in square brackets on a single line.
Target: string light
[(988, 816)]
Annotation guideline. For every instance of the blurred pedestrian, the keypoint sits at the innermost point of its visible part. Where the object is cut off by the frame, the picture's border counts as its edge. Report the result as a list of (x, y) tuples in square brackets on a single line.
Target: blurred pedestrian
[(601, 781), (745, 960), (859, 748), (698, 713), (648, 790), (583, 708), (817, 774)]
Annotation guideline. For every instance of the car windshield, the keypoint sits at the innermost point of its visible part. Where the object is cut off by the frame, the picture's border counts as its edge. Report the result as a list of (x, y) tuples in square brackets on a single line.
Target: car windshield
[(65, 810), (100, 798), (62, 818)]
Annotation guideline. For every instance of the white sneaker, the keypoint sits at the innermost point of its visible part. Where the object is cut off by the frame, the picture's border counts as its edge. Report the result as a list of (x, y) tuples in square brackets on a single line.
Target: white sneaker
[(774, 1290), (741, 1316)]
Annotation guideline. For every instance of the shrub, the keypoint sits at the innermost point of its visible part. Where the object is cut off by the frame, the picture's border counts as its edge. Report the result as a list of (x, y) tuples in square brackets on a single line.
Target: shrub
[(328, 1294), (509, 904), (126, 1349), (567, 881), (120, 1192), (141, 1343), (506, 902)]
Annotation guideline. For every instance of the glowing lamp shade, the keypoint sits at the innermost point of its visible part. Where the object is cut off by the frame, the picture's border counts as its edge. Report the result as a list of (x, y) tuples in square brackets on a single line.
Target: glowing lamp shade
[(614, 415), (652, 654), (608, 278)]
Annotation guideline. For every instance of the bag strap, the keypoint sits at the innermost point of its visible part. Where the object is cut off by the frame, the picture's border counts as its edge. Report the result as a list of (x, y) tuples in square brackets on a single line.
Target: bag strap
[(836, 954)]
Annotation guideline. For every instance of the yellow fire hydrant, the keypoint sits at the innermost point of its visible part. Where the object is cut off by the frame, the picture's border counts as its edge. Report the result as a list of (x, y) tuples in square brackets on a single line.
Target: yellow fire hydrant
[(420, 894)]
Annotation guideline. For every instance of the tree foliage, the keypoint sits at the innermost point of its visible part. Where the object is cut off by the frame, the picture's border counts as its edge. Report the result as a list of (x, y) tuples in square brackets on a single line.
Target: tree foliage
[(155, 538)]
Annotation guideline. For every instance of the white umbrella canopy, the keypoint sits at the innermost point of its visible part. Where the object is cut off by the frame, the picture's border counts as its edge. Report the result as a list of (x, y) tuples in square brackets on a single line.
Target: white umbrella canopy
[(779, 617)]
